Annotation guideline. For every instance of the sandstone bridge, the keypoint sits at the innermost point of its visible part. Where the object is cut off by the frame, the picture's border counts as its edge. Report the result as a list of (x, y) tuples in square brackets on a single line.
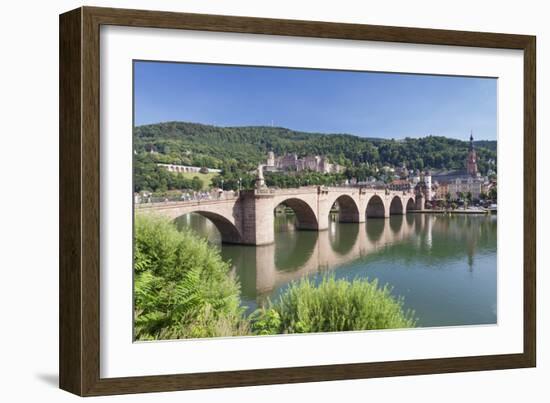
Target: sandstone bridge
[(248, 217)]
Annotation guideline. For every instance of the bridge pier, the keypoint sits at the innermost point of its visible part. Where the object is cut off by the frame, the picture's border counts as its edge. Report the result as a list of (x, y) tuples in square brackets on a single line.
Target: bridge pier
[(323, 212), (420, 202), (257, 218)]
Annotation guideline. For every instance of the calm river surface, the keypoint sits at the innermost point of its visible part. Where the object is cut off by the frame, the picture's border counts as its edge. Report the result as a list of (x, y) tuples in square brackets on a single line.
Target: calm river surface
[(444, 267)]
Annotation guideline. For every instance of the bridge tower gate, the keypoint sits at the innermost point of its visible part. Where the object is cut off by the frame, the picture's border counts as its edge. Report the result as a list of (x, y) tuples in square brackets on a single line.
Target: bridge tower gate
[(420, 202)]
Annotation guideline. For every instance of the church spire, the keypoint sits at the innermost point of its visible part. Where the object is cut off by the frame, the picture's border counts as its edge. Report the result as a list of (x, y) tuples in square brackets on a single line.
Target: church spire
[(471, 161)]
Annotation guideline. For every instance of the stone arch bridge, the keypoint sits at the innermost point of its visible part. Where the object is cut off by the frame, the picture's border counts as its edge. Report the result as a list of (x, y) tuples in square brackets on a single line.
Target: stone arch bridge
[(248, 217)]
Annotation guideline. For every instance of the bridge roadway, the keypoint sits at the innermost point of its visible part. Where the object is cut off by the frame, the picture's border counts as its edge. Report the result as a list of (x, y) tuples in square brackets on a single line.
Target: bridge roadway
[(247, 218)]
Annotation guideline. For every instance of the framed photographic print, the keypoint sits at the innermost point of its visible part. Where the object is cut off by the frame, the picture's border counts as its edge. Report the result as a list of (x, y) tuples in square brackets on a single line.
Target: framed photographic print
[(249, 201)]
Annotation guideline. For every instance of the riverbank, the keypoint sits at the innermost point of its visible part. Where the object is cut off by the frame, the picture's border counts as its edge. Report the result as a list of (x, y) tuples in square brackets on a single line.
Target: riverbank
[(457, 211)]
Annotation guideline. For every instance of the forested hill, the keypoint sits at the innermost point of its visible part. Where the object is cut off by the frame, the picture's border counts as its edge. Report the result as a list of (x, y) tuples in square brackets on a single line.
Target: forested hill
[(218, 147)]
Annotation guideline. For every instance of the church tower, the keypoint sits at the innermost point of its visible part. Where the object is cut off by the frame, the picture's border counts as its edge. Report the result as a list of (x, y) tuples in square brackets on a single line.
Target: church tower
[(471, 161)]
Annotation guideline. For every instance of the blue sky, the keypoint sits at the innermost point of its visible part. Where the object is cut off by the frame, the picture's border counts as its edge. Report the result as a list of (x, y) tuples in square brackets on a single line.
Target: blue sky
[(367, 104)]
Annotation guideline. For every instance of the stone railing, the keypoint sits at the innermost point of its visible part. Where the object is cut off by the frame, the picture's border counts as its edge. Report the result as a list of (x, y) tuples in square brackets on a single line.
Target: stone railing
[(229, 195), (144, 202)]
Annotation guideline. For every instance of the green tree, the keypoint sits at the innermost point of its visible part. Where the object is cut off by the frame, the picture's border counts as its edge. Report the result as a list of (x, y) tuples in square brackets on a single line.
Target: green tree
[(419, 163), (493, 193), (197, 183), (469, 198)]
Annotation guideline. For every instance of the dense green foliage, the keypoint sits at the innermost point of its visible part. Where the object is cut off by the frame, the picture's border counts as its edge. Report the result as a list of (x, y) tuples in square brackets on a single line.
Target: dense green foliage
[(282, 180), (238, 151), (182, 287), (149, 176), (332, 305)]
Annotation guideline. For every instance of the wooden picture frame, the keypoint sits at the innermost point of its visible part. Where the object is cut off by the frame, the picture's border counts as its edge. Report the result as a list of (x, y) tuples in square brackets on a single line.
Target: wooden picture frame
[(79, 346)]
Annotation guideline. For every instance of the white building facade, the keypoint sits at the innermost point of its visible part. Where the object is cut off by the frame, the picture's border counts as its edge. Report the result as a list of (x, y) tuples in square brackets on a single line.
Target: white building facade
[(186, 168), (291, 162)]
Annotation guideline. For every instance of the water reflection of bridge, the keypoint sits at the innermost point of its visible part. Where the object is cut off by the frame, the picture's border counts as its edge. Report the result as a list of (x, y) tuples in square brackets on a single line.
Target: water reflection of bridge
[(312, 252)]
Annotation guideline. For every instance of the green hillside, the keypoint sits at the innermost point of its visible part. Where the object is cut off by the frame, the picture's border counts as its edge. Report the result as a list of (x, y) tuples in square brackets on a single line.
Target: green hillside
[(238, 150)]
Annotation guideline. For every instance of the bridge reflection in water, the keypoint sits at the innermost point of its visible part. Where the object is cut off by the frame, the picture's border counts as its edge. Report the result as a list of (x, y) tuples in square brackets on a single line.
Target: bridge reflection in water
[(445, 267)]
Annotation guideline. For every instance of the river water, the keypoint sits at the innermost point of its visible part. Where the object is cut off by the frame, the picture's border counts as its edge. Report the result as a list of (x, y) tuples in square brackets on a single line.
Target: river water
[(445, 267)]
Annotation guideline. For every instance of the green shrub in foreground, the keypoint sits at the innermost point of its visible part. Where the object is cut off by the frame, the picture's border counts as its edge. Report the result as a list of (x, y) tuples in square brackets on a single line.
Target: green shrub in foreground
[(182, 287), (330, 306)]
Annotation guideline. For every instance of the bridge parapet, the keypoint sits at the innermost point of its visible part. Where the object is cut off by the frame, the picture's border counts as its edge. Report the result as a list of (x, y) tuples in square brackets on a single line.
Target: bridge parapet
[(302, 190), (177, 203)]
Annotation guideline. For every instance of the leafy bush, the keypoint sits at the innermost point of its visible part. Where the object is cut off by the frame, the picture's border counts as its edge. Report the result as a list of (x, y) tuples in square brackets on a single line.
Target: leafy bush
[(265, 321), (332, 305), (182, 287)]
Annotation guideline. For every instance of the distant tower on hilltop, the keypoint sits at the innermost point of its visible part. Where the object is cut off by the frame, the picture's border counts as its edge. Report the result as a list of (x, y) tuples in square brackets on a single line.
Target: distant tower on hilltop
[(270, 159), (471, 161)]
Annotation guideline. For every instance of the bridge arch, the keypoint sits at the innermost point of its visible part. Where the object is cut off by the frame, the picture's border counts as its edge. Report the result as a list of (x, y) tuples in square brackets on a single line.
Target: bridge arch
[(376, 207), (396, 206), (228, 231), (305, 216), (348, 209), (411, 205)]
